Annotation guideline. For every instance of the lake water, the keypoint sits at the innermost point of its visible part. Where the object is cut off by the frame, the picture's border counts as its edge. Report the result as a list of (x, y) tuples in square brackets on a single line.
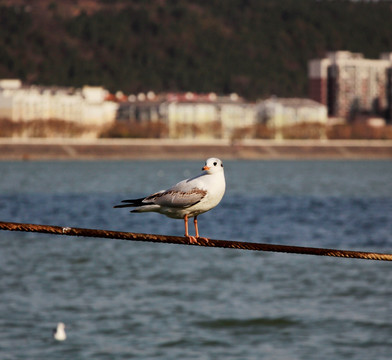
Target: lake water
[(125, 300)]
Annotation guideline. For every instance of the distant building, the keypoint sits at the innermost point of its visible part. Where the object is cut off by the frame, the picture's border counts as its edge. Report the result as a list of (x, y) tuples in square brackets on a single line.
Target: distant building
[(141, 109), (190, 115), (278, 112), (237, 116), (350, 85), (86, 106)]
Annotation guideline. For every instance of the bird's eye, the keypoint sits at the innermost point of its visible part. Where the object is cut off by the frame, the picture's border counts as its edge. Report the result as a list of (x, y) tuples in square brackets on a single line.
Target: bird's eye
[(222, 165), (215, 163)]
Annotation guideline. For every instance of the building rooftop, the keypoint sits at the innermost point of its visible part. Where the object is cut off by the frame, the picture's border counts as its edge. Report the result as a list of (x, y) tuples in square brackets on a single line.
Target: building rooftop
[(295, 102)]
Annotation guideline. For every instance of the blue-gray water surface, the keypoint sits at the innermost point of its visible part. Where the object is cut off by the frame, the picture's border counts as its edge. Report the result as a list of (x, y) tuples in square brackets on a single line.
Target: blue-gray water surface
[(125, 300)]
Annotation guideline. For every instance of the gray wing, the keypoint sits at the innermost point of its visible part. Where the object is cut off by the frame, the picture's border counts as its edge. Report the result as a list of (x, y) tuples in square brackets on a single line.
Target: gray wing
[(176, 198)]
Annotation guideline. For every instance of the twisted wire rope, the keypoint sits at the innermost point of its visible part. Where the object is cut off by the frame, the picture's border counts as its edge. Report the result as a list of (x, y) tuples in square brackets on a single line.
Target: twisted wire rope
[(166, 239)]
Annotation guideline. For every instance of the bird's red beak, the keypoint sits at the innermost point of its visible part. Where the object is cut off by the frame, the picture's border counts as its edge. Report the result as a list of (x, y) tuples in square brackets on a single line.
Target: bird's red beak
[(206, 168)]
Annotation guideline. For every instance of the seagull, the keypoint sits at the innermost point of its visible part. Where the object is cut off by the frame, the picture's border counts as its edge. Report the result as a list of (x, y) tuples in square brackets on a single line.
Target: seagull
[(188, 198), (59, 333)]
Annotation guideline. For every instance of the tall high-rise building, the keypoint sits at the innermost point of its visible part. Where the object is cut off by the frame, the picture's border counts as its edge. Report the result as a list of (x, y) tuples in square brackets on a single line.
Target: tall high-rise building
[(348, 84)]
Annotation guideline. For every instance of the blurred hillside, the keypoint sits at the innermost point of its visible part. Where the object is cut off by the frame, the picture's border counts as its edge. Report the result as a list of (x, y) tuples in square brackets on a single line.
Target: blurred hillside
[(252, 47)]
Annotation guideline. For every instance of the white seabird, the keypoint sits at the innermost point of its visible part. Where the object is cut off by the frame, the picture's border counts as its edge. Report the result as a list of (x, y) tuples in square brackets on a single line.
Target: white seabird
[(188, 198), (59, 333)]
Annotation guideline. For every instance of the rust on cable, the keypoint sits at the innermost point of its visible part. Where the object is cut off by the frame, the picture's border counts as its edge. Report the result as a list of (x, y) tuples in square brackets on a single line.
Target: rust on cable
[(165, 239)]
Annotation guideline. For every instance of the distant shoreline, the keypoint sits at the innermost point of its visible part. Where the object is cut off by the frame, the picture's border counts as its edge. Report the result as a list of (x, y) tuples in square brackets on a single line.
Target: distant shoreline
[(132, 149)]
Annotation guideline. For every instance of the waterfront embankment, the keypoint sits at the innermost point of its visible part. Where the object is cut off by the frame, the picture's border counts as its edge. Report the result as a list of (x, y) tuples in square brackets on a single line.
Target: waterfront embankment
[(84, 149)]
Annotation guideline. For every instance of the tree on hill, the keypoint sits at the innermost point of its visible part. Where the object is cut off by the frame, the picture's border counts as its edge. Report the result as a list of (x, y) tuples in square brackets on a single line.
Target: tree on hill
[(255, 48)]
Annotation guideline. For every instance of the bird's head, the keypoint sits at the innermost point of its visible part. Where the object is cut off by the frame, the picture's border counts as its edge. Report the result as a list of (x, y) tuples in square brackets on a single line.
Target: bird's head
[(212, 165)]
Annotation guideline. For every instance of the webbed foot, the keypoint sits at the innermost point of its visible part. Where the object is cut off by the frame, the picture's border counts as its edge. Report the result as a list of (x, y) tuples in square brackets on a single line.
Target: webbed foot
[(192, 239), (203, 238)]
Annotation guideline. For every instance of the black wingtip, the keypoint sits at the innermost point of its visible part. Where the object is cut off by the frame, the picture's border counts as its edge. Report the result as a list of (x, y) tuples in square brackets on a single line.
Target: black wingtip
[(130, 203), (133, 201), (122, 206)]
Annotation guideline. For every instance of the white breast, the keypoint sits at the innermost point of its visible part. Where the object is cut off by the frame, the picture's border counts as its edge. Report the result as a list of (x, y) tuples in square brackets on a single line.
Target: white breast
[(215, 186)]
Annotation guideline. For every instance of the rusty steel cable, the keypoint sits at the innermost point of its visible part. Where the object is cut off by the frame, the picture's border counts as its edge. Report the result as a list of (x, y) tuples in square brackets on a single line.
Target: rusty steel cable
[(119, 235)]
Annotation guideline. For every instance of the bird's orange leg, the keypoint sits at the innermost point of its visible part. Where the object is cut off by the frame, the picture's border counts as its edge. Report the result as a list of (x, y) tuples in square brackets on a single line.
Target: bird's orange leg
[(186, 225), (192, 239), (197, 230)]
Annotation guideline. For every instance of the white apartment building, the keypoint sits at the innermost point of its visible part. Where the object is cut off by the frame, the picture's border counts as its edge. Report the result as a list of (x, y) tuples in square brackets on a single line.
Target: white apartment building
[(236, 116), (86, 106), (279, 112), (186, 118), (206, 116)]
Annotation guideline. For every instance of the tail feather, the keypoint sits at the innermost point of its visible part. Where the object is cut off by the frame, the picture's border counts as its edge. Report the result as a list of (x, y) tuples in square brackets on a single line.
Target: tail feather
[(131, 203), (123, 206)]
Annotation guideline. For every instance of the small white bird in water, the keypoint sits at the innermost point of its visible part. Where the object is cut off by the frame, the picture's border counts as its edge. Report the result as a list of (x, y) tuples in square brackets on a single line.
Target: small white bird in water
[(59, 333), (188, 198)]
